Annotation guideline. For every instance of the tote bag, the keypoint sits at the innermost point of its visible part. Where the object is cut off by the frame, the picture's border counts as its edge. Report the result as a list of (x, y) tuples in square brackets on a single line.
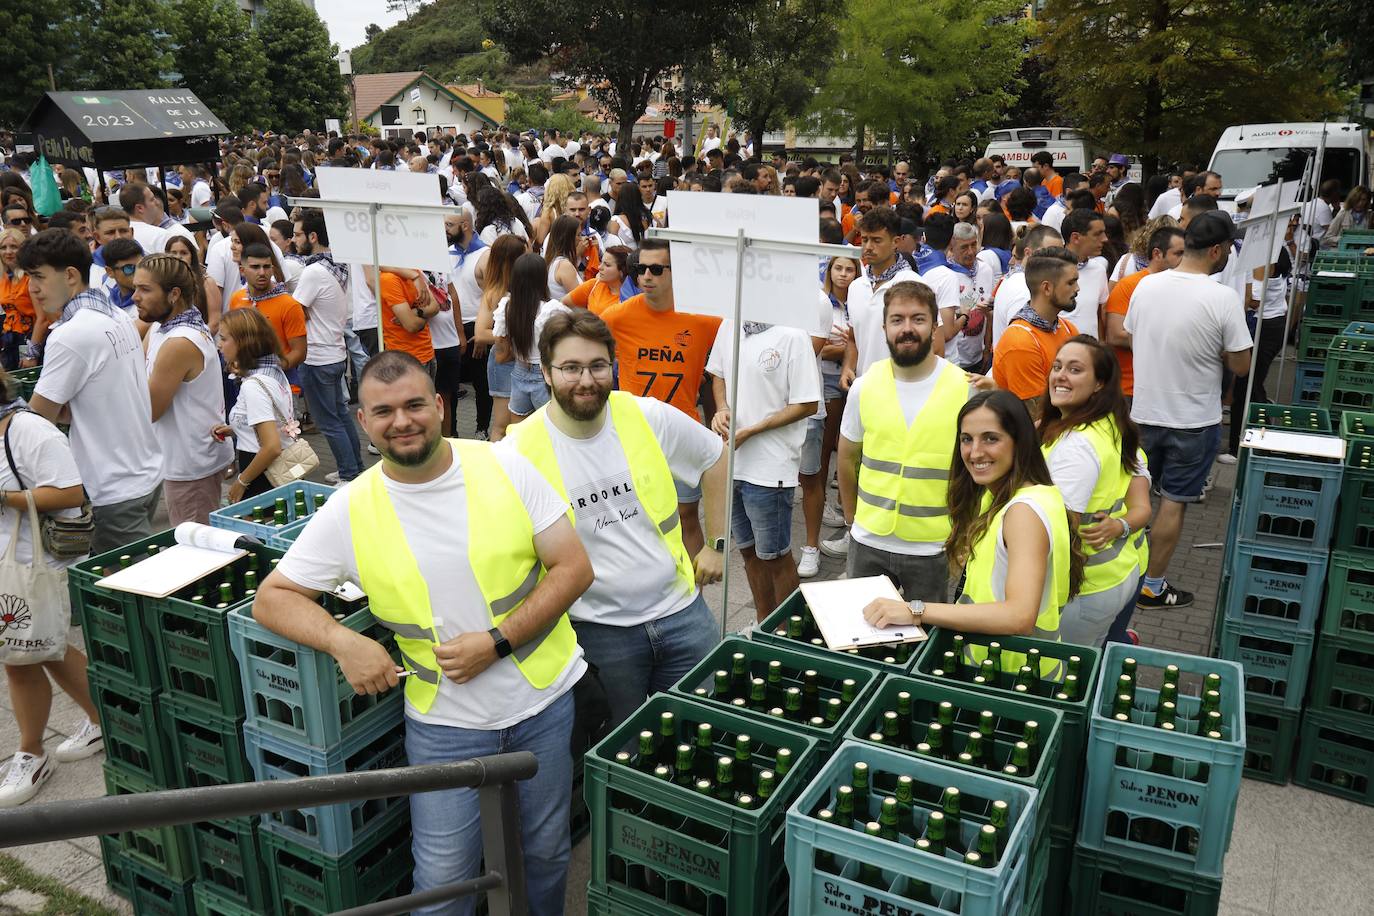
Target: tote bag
[(35, 609)]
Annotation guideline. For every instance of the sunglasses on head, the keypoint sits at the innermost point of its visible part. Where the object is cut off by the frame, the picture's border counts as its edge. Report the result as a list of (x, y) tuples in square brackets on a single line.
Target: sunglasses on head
[(655, 269)]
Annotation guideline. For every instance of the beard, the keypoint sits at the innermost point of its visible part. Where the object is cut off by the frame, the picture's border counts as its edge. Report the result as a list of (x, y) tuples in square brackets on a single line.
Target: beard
[(455, 240), (305, 250), (416, 457), (906, 357), (582, 411)]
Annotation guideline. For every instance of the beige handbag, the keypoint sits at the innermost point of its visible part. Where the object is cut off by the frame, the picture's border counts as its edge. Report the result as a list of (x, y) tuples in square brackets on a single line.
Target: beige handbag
[(296, 459)]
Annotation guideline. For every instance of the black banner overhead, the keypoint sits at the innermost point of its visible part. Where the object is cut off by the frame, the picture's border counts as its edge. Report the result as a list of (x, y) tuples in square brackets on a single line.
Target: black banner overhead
[(124, 128)]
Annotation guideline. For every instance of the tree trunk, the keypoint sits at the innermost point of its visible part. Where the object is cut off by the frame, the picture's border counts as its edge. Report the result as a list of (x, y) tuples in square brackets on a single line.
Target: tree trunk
[(756, 127), (859, 146), (625, 134), (1152, 118)]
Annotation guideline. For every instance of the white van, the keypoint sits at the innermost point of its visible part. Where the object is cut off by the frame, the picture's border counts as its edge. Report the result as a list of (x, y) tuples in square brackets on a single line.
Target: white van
[(1253, 154), (1072, 149)]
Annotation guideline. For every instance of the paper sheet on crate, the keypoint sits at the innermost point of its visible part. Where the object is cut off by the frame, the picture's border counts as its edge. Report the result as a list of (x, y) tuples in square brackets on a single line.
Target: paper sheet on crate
[(1266, 439), (199, 550), (837, 606)]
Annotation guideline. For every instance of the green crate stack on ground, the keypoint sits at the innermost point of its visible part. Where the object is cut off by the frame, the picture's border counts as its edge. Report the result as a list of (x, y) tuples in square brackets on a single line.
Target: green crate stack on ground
[(1355, 240), (1165, 752), (1336, 743)]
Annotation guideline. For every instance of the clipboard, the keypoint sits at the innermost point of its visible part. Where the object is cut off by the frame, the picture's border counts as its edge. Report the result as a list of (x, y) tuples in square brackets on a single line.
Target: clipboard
[(837, 606)]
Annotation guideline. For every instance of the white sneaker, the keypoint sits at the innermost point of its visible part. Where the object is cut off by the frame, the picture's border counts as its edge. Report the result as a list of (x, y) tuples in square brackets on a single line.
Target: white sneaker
[(839, 547), (372, 449), (810, 562), (24, 775), (332, 478), (87, 742), (832, 517), (1226, 458)]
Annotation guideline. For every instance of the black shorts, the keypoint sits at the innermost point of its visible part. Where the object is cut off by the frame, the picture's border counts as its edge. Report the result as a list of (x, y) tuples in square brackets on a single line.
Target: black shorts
[(450, 367)]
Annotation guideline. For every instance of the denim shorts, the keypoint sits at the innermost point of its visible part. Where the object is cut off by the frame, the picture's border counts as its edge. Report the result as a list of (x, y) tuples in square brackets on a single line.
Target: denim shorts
[(1180, 459), (762, 519), (686, 493), (831, 383), (528, 392), (498, 377), (811, 447)]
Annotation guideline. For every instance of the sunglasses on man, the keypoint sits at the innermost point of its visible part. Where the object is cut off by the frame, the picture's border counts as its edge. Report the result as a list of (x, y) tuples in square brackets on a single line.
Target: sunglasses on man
[(20, 221), (127, 270), (655, 269)]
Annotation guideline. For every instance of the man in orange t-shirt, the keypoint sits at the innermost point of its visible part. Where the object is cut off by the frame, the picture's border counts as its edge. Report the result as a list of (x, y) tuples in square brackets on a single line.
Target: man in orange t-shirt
[(405, 326), (264, 293), (1166, 250), (1051, 180), (661, 353), (1021, 363)]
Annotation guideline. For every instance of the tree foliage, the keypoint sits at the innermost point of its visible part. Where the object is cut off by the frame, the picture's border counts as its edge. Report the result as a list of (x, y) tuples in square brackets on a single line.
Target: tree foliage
[(932, 75), (443, 38), (1163, 79), (130, 44), (305, 87), (787, 50), (35, 40), (536, 110), (228, 74), (623, 49)]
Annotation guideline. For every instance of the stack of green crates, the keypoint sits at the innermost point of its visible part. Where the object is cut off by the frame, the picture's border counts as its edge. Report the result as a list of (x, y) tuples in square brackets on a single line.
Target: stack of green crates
[(1341, 290)]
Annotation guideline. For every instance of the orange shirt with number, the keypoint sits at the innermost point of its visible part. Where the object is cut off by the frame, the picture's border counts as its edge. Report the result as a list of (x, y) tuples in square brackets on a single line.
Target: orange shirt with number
[(1118, 303), (661, 354)]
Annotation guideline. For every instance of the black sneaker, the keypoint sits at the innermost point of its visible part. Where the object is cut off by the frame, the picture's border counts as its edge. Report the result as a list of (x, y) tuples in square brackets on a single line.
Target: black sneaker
[(1169, 598)]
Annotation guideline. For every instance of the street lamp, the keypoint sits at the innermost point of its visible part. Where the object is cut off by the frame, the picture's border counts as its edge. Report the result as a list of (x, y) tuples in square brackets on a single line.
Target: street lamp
[(346, 69)]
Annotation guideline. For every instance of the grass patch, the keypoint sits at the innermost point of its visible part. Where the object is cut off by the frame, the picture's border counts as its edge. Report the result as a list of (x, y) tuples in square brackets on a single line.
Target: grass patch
[(62, 901)]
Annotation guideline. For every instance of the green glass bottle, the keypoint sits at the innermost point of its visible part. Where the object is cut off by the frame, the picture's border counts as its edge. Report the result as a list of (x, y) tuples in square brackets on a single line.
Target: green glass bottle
[(758, 694), (1030, 734), (226, 596), (1125, 684), (663, 773), (746, 801), (999, 816), (973, 753), (1019, 764), (1033, 656), (1211, 702), (250, 583), (905, 795), (859, 782), (833, 708), (1211, 681), (888, 819), (1168, 693), (704, 787), (299, 504), (988, 670), (319, 501), (744, 762), (258, 513), (792, 704), (739, 676), (1128, 667), (936, 831), (949, 804), (768, 784), (725, 779), (811, 693), (705, 751), (892, 730), (944, 714), (1068, 691), (877, 738), (950, 663), (1074, 666), (925, 750), (644, 759), (935, 738), (870, 874), (782, 761), (1023, 682), (825, 860), (796, 627), (125, 560), (1121, 707), (849, 689), (667, 738), (903, 711), (773, 678), (684, 771), (973, 858), (1171, 674), (278, 518), (1165, 712), (987, 727), (1212, 722), (720, 685), (987, 845), (844, 807)]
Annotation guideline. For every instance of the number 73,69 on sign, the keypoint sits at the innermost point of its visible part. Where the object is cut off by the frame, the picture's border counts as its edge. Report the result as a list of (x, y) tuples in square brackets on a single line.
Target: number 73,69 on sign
[(394, 224), (710, 260)]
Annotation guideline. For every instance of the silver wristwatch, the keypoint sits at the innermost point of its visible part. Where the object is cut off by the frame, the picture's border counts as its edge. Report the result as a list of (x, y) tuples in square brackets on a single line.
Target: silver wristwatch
[(918, 609)]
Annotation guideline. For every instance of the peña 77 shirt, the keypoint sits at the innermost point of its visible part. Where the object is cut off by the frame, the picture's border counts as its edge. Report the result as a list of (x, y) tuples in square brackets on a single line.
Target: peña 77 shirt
[(661, 355)]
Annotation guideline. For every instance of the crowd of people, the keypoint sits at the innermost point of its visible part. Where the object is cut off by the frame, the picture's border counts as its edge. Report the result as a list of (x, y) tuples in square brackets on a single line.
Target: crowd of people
[(1011, 364)]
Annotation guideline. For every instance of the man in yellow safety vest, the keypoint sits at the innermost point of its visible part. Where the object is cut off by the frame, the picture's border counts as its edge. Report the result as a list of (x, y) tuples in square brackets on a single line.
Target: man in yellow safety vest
[(465, 553)]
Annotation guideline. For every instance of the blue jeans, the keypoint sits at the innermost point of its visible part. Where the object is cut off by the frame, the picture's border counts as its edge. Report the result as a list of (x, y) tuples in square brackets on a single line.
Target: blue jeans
[(446, 834), (323, 389), (357, 354), (645, 658), (762, 519)]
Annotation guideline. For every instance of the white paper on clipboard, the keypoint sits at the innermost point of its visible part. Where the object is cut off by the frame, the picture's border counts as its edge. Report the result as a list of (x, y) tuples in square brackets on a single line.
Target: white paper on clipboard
[(837, 606)]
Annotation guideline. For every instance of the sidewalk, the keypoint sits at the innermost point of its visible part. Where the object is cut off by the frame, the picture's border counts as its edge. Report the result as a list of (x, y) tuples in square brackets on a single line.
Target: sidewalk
[(1293, 851)]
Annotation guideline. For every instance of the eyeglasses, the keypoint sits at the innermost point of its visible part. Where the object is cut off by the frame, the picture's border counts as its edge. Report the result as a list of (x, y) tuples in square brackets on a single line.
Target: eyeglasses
[(21, 221), (127, 270), (655, 269), (572, 372)]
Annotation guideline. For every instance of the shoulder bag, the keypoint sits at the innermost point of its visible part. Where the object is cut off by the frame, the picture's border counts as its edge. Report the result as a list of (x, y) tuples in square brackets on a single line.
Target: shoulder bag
[(35, 609), (296, 459), (66, 538)]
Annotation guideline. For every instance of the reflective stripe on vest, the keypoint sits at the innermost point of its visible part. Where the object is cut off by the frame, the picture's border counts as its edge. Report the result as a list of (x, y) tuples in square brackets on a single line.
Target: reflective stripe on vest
[(653, 480), (503, 563), (904, 471), (978, 578), (1122, 559)]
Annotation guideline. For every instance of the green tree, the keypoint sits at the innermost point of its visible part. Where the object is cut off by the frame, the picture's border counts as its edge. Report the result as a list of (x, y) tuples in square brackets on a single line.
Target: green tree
[(789, 46), (133, 46), (1163, 79), (535, 110), (933, 76), (434, 38), (228, 74), (303, 76), (622, 49), (34, 41)]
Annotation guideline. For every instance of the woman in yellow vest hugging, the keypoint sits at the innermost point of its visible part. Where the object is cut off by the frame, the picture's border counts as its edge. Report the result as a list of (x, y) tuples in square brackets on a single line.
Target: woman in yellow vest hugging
[(1010, 534), (1093, 452)]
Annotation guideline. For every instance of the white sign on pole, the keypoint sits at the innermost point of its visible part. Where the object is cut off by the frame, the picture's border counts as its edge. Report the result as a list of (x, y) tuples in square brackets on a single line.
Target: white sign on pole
[(332, 124), (403, 239), (778, 287), (1266, 224)]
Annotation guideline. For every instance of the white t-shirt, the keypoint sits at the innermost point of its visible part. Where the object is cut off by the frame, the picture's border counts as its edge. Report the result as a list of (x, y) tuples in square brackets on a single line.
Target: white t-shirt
[(912, 396), (1165, 202), (1273, 297), (443, 332), (434, 517), (1012, 295), (635, 576), (44, 458), (948, 285), (95, 363), (546, 311), (364, 300), (777, 368), (465, 282), (839, 323), (866, 316), (326, 306), (201, 196), (1054, 216), (261, 399), (151, 238), (1092, 293), (1181, 323), (557, 290), (1125, 266)]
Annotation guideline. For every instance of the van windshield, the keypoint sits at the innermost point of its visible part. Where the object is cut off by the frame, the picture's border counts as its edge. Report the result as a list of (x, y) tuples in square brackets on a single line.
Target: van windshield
[(1245, 168)]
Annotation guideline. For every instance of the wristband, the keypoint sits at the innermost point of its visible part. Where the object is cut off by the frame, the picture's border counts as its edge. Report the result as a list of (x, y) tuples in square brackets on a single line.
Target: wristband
[(239, 478), (1125, 528)]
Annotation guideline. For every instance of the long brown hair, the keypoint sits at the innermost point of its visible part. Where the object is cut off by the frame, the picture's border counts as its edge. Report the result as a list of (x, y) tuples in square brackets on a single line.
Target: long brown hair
[(1107, 401), (500, 261), (197, 270), (563, 240), (252, 335), (529, 288), (969, 520)]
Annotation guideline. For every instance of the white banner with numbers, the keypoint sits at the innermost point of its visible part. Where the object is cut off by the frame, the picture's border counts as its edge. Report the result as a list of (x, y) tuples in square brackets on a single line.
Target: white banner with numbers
[(403, 239), (778, 288)]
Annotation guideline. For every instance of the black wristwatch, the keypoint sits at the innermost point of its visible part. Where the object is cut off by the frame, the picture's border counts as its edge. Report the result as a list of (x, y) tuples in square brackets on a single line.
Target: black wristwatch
[(503, 646), (718, 545)]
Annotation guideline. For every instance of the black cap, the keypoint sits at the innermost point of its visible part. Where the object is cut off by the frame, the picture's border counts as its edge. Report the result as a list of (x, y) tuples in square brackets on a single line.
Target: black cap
[(1207, 229)]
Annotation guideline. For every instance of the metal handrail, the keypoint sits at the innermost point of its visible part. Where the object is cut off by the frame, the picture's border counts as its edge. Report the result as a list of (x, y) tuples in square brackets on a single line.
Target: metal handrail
[(492, 776)]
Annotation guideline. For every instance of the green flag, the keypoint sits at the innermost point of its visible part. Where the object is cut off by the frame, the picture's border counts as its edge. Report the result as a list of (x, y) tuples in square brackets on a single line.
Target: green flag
[(46, 199)]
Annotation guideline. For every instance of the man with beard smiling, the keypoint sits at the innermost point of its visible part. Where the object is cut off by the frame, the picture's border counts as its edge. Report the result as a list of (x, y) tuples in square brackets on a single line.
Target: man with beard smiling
[(479, 611), (896, 438), (614, 456)]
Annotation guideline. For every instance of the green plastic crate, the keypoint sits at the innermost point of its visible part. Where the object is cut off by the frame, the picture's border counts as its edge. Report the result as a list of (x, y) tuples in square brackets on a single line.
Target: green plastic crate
[(1336, 756), (1343, 681), (773, 631), (1354, 528), (1271, 734), (1291, 417), (192, 638), (113, 624), (210, 902), (129, 719), (1111, 885), (229, 862), (1349, 611), (207, 748), (1057, 799), (1355, 240), (664, 847), (1307, 383), (154, 894), (117, 877), (1051, 862), (164, 850), (830, 673), (1276, 660), (1314, 338), (1332, 295), (1348, 383), (308, 883)]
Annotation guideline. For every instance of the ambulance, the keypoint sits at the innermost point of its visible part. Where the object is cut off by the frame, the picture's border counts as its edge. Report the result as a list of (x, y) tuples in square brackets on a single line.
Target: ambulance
[(1072, 149), (1253, 154)]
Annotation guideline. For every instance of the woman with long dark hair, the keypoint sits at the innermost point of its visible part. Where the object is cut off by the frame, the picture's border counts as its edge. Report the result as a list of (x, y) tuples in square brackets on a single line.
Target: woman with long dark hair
[(517, 322), (497, 215), (208, 299), (1010, 535), (496, 274), (631, 219), (1129, 206), (561, 254), (1093, 452)]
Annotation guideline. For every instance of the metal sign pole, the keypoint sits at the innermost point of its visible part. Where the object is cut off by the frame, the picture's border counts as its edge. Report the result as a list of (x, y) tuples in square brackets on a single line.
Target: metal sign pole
[(377, 279)]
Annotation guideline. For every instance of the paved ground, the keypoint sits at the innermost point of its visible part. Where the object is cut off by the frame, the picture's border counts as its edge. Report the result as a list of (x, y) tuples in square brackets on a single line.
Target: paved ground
[(1292, 851)]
